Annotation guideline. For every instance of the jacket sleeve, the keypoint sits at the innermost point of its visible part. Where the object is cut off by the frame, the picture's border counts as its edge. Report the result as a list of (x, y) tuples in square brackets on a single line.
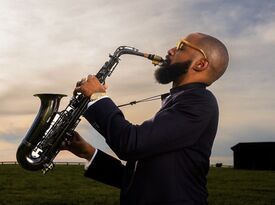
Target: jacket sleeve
[(106, 169), (176, 127)]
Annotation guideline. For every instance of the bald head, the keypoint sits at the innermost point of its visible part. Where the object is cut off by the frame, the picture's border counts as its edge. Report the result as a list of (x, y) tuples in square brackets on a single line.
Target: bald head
[(216, 53)]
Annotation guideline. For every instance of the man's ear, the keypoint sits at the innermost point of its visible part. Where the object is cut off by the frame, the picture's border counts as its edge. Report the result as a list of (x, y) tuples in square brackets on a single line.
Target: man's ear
[(201, 65)]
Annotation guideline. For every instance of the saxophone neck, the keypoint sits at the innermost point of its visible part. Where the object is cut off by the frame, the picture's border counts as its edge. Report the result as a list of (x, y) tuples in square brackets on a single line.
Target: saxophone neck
[(156, 60)]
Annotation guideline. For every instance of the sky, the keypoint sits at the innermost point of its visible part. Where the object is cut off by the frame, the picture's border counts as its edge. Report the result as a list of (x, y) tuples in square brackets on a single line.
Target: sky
[(47, 46)]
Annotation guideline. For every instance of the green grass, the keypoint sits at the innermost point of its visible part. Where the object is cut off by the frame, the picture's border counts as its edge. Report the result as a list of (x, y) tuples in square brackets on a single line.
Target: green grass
[(241, 187), (66, 185)]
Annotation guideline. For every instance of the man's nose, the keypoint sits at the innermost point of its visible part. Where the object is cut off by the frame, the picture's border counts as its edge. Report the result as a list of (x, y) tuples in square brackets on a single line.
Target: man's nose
[(172, 51)]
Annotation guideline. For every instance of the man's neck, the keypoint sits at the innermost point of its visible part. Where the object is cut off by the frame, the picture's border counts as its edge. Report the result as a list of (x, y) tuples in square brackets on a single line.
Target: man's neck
[(180, 82)]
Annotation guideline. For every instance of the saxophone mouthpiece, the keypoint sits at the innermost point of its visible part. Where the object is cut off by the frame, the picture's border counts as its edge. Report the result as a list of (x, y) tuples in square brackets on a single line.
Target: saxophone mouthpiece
[(156, 60)]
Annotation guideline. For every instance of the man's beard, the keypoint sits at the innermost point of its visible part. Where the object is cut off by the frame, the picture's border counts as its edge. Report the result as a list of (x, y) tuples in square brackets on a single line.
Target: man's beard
[(171, 72)]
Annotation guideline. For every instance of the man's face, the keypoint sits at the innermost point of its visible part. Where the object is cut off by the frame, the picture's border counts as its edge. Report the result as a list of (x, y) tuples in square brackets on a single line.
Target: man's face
[(179, 60)]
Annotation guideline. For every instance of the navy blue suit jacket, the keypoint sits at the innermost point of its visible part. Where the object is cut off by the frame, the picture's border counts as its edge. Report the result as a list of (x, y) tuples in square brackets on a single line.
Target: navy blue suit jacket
[(167, 156)]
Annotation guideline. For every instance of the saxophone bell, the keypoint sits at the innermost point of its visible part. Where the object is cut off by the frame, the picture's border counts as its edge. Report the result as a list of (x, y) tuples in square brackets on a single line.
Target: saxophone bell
[(29, 155)]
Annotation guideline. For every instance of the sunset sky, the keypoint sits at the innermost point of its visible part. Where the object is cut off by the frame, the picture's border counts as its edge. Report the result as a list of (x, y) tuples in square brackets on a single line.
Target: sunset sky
[(46, 46)]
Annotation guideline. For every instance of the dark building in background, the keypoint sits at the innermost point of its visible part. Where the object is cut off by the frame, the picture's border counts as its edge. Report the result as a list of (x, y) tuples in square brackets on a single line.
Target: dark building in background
[(254, 155)]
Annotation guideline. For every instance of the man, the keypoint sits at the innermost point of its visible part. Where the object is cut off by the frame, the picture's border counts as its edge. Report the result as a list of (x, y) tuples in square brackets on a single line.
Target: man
[(168, 155)]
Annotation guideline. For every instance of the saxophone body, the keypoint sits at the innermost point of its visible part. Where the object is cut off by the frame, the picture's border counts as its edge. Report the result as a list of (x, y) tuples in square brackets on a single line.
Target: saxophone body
[(51, 127)]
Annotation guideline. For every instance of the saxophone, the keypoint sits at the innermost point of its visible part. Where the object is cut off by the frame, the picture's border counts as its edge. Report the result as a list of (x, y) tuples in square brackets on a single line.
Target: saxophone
[(51, 127)]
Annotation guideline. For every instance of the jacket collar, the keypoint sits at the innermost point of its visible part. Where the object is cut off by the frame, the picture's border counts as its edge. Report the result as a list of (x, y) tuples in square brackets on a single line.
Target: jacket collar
[(188, 86)]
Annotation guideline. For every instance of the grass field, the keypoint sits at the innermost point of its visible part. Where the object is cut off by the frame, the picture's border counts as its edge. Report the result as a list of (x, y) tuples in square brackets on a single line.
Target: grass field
[(66, 185)]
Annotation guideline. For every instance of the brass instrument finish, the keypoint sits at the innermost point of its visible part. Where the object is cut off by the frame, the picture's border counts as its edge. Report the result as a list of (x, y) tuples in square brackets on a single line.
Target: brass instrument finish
[(52, 128)]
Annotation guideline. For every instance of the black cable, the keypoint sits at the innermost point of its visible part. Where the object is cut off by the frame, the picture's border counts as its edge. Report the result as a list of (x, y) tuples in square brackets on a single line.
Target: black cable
[(156, 97)]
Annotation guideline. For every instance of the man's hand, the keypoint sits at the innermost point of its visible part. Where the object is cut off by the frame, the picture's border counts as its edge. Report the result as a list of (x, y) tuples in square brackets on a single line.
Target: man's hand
[(78, 146), (89, 86)]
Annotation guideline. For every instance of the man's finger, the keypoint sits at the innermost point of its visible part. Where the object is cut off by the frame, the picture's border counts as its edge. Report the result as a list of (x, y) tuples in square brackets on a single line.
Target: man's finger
[(79, 83), (77, 90)]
